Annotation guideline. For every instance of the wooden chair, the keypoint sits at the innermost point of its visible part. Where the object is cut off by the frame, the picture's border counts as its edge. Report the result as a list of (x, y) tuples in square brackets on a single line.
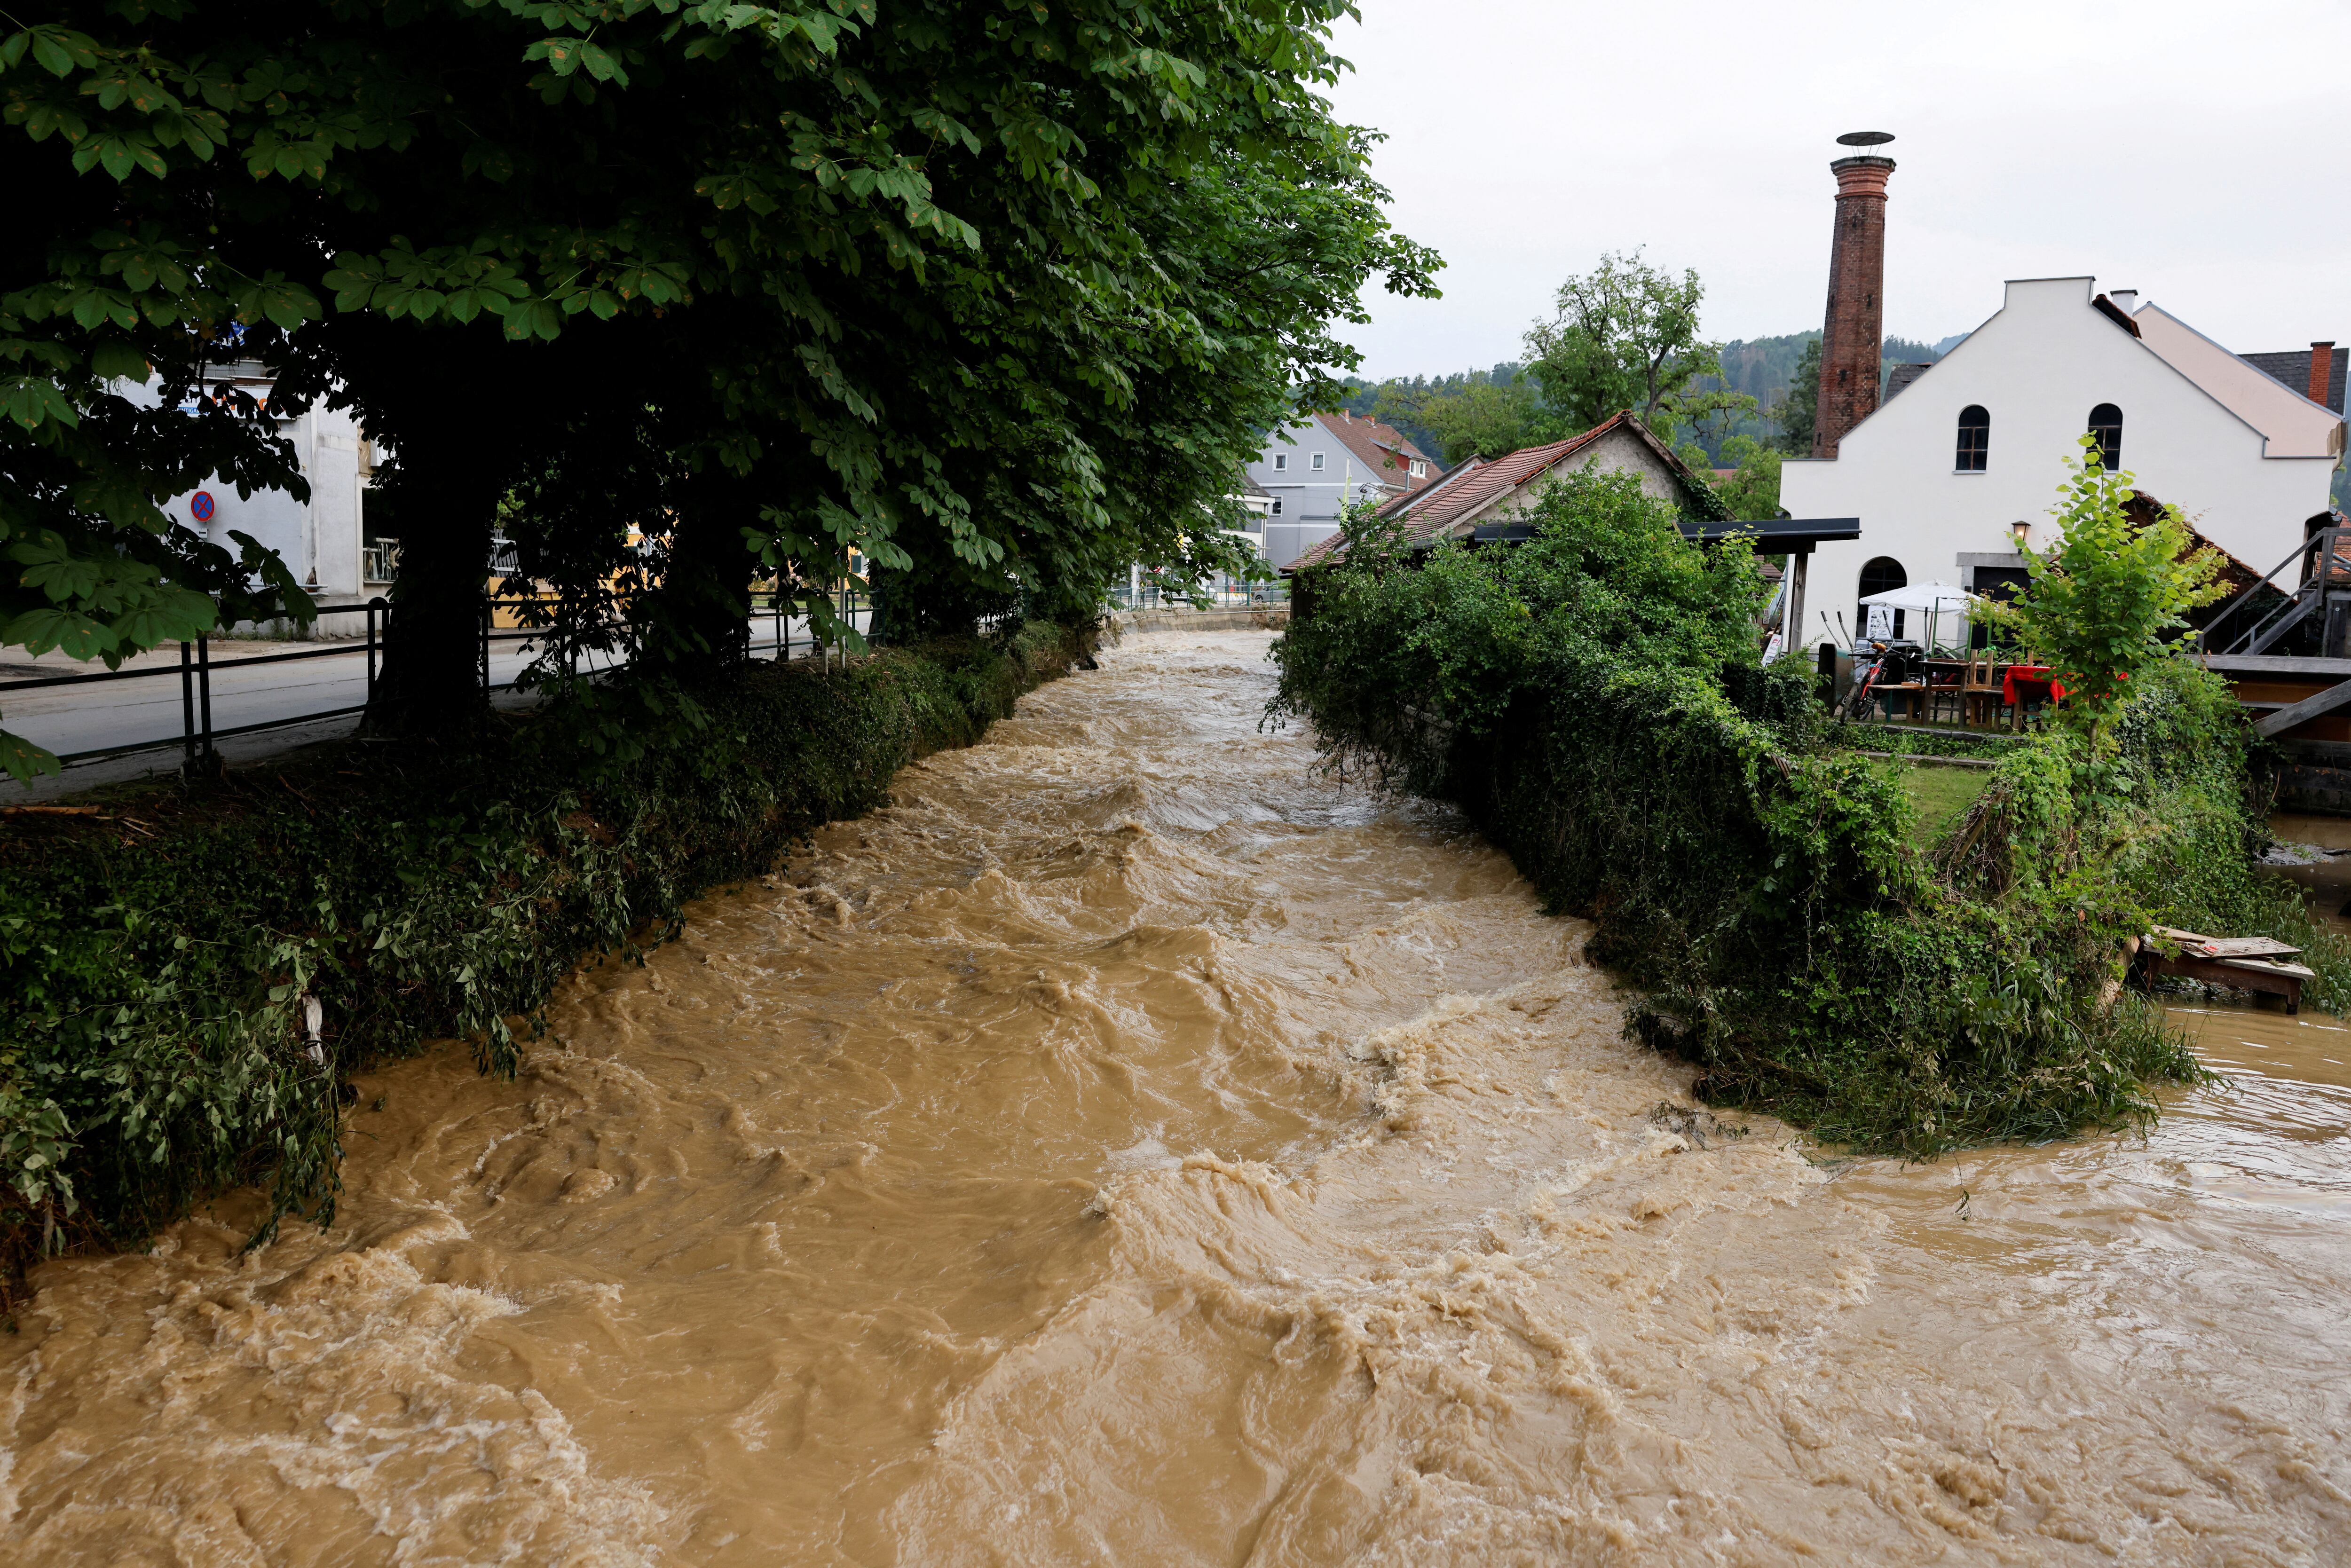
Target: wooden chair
[(1947, 688), (1979, 694)]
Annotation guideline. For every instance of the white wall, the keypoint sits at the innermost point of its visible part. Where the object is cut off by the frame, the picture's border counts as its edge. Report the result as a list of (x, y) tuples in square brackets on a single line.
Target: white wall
[(1285, 541), (320, 541), (332, 465), (2038, 367)]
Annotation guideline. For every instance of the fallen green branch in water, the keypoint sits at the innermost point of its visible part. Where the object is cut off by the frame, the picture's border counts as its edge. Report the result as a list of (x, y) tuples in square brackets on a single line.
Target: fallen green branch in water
[(161, 961)]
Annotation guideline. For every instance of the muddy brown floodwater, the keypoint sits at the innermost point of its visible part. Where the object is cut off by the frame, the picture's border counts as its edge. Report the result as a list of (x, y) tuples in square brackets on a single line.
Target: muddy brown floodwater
[(1129, 1149)]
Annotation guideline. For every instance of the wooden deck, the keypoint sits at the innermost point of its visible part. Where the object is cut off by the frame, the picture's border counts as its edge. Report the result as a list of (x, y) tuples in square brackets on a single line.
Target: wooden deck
[(2317, 775), (2267, 682)]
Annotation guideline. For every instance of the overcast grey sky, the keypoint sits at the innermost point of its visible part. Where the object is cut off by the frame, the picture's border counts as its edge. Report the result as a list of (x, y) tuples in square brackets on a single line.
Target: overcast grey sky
[(2194, 151)]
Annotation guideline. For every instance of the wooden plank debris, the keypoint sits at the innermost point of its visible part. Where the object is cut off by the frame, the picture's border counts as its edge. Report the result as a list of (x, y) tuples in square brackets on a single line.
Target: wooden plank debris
[(2242, 962), (2226, 946)]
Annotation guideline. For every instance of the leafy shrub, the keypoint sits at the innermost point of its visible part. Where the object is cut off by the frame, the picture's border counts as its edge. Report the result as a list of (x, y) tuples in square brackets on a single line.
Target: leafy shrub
[(1592, 699)]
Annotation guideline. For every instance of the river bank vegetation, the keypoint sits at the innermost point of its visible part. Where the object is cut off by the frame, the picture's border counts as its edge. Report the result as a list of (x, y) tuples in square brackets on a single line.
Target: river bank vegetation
[(687, 299), (192, 973), (1592, 699)]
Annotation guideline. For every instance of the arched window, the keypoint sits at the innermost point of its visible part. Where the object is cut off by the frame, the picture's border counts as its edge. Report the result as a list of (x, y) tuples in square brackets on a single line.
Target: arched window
[(1881, 575), (2106, 424), (1975, 438)]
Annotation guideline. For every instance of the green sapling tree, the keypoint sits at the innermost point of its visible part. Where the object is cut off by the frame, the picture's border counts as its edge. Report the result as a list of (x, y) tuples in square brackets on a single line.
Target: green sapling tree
[(2106, 601)]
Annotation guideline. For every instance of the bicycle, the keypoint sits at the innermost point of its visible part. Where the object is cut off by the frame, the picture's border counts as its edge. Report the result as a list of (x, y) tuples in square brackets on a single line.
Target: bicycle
[(1891, 664)]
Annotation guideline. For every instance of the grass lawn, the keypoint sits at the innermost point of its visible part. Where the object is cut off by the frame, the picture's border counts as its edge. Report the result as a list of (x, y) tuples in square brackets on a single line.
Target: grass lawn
[(1940, 794)]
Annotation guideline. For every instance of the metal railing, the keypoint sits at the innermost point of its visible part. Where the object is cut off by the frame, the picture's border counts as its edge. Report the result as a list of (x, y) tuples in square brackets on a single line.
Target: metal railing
[(197, 732), (198, 735), (1223, 594), (849, 603), (2273, 622)]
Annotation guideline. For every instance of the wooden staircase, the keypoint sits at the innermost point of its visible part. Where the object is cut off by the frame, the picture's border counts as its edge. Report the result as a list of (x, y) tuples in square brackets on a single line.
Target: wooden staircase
[(2242, 641)]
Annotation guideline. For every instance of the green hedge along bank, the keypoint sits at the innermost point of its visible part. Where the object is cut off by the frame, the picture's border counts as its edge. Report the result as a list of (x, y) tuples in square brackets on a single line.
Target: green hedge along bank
[(1592, 699), (188, 976)]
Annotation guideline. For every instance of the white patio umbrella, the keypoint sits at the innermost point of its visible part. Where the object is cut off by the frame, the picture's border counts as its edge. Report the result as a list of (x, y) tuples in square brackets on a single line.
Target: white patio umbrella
[(1934, 601)]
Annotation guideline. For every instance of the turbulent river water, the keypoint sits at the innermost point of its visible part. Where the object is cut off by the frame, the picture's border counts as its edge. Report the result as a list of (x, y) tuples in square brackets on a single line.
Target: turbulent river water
[(1129, 1148)]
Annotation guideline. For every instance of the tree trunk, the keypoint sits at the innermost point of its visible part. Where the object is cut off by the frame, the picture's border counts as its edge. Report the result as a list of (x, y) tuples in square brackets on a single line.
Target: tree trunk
[(697, 623), (442, 497)]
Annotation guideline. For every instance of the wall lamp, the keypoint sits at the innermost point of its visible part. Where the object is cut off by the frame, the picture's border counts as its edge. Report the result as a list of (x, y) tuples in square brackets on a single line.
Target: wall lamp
[(2019, 528)]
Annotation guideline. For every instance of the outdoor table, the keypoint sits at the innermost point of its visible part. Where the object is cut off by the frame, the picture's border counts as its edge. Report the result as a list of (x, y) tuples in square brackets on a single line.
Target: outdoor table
[(1953, 673), (1912, 694)]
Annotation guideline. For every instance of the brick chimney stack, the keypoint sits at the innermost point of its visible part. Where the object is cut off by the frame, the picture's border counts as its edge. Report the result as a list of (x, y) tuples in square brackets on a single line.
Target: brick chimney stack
[(1852, 337), (2322, 372)]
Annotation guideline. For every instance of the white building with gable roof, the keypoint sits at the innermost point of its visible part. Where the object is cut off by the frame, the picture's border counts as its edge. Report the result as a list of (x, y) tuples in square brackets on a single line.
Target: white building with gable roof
[(1962, 452)]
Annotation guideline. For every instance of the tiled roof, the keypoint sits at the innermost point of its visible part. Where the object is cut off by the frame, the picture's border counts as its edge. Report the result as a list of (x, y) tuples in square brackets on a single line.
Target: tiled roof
[(2235, 576), (2292, 367), (1411, 498), (1432, 514), (1497, 478), (1386, 453), (1900, 377), (1315, 554), (1439, 508)]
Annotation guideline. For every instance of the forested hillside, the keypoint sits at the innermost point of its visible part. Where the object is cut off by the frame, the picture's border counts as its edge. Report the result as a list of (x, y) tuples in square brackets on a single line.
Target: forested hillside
[(1762, 367)]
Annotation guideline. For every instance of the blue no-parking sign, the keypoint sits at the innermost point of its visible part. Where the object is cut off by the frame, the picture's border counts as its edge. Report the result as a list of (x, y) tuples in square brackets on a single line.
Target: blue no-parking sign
[(200, 506)]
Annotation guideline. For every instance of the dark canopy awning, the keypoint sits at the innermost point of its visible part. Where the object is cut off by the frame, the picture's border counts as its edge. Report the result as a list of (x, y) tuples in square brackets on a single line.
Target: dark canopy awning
[(1778, 536), (1773, 536)]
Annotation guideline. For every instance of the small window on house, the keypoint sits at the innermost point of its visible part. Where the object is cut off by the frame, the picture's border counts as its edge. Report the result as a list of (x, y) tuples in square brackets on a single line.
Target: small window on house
[(1317, 464), (1975, 441), (1277, 507), (2106, 424), (1281, 461)]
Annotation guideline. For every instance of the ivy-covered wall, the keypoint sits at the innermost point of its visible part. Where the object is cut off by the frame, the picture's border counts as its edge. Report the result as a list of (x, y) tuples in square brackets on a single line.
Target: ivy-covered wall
[(159, 960)]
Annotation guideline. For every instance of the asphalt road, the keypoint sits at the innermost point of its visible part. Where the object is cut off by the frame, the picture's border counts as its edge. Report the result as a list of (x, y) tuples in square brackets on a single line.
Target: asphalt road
[(108, 715)]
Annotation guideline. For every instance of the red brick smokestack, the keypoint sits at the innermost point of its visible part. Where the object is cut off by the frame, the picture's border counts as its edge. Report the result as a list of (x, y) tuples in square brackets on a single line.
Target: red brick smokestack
[(1853, 335), (2322, 372)]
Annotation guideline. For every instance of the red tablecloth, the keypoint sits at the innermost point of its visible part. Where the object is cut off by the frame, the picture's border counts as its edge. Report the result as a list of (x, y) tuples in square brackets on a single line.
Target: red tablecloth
[(2037, 673)]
